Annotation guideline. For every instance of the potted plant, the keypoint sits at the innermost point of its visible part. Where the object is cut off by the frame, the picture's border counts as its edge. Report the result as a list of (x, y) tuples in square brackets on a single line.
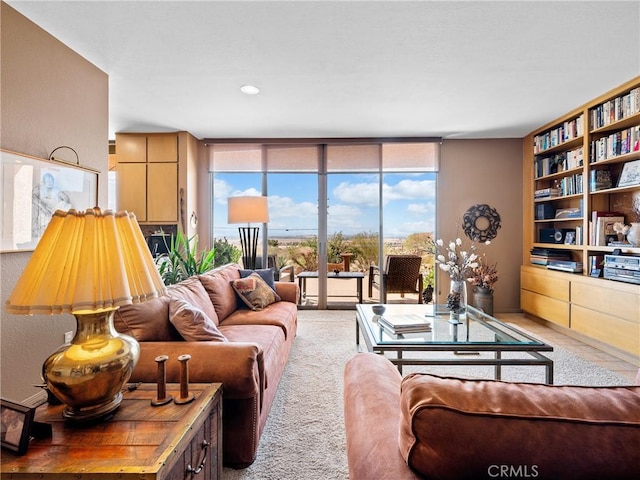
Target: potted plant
[(182, 260)]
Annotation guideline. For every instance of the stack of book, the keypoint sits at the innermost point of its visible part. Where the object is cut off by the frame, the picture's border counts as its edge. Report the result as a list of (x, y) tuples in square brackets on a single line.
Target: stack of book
[(542, 256), (400, 324), (547, 193)]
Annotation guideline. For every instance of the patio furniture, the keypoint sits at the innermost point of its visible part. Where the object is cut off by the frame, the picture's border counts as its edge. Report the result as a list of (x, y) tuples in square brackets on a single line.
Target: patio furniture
[(303, 276), (401, 274), (284, 274)]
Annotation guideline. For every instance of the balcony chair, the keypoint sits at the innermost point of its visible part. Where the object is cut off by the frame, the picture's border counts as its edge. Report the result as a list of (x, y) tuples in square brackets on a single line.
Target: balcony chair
[(401, 275), (284, 274)]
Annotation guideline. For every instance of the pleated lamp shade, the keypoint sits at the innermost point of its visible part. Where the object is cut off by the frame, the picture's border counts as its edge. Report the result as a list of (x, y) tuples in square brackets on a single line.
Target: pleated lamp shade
[(87, 262)]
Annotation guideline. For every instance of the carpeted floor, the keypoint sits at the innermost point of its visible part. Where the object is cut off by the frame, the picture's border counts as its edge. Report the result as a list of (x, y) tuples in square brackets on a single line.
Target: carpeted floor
[(304, 436)]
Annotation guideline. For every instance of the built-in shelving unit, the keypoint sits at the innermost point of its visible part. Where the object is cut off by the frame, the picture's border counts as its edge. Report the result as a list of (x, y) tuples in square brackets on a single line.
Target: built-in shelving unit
[(572, 172)]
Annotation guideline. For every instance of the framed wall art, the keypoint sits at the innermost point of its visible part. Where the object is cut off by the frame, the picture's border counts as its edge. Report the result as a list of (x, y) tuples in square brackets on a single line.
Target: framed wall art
[(630, 174), (33, 189)]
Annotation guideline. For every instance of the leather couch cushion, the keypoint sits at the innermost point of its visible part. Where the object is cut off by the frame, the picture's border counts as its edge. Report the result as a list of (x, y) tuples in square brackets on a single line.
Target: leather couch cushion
[(146, 322), (282, 314), (192, 323), (255, 292), (217, 284), (456, 428), (192, 291)]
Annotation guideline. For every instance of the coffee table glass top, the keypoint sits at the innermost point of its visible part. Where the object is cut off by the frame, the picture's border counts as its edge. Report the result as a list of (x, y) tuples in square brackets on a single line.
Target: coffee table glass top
[(477, 329)]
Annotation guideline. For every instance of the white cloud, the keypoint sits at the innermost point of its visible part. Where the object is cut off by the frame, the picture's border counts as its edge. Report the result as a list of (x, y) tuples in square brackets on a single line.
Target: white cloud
[(221, 191), (367, 193), (357, 193), (410, 190)]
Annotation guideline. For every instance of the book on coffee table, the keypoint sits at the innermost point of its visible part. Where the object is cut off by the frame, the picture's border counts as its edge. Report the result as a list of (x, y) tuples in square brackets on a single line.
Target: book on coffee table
[(399, 324)]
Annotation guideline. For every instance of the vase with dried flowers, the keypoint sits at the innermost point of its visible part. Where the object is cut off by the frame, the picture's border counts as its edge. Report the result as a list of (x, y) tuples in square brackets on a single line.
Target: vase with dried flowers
[(459, 262), (484, 278)]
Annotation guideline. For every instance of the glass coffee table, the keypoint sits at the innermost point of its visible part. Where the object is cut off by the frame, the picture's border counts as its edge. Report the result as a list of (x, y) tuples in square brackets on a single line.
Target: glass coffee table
[(476, 333)]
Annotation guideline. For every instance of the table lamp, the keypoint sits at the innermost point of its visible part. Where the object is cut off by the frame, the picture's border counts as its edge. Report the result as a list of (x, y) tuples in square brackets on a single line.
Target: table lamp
[(252, 209), (88, 263)]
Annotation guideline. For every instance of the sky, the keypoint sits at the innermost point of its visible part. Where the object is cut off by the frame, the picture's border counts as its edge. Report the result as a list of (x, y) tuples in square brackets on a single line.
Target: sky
[(408, 202)]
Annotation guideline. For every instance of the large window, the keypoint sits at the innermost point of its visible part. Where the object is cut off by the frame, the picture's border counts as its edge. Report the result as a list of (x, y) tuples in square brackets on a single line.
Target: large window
[(365, 200)]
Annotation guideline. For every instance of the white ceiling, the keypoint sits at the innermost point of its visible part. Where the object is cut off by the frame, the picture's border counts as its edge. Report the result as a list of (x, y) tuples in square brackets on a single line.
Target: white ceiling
[(347, 69)]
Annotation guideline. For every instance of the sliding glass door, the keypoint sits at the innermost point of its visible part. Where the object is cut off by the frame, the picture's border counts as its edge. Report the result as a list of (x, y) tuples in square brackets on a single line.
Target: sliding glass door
[(335, 210)]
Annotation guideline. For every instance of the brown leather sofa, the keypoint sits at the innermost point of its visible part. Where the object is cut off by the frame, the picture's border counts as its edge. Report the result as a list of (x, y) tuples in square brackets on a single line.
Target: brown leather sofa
[(426, 426), (248, 359)]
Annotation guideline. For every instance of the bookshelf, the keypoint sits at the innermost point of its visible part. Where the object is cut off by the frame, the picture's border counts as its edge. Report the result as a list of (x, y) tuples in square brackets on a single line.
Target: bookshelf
[(572, 189)]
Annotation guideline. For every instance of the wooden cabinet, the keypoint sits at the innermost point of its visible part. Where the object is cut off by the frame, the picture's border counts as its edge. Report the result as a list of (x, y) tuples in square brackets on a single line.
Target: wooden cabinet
[(572, 173), (131, 148), (604, 310), (162, 148), (148, 167), (162, 192), (607, 311), (545, 295), (140, 441)]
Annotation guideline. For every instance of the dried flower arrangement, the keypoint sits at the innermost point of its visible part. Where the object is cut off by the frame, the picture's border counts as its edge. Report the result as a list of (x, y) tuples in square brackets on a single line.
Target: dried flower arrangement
[(485, 275)]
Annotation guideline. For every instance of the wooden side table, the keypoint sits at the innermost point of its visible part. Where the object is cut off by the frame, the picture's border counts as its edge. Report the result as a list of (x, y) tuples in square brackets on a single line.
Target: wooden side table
[(169, 442)]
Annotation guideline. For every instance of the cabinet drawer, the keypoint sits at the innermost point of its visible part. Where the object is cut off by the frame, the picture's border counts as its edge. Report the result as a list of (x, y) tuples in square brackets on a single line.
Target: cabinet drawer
[(545, 307), (620, 333), (547, 285), (625, 305)]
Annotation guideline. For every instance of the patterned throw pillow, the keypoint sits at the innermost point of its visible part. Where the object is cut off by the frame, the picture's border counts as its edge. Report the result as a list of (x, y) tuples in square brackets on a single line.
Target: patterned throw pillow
[(192, 323), (255, 292)]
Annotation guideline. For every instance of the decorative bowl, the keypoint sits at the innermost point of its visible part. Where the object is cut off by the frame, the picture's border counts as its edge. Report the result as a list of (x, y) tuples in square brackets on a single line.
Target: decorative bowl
[(378, 309)]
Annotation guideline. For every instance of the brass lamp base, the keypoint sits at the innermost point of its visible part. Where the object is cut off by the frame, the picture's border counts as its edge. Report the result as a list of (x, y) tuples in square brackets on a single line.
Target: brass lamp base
[(88, 374), (85, 414)]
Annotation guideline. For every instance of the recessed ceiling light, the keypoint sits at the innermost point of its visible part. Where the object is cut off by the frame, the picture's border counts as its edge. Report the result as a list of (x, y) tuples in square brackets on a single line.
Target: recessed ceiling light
[(249, 89)]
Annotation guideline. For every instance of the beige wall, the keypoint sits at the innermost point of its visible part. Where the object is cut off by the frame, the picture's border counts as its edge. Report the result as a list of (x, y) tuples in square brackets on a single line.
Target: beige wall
[(50, 97), (489, 172)]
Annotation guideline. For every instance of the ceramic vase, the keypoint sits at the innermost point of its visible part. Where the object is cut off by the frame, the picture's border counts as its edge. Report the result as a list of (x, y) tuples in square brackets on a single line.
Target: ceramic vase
[(483, 299), (457, 300), (633, 235)]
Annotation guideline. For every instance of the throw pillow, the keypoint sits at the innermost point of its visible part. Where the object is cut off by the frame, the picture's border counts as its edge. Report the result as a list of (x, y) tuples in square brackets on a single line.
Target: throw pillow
[(266, 274), (192, 323), (255, 292)]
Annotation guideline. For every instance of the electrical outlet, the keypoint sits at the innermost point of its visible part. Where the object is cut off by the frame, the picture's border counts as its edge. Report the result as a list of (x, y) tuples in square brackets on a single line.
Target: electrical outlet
[(68, 336)]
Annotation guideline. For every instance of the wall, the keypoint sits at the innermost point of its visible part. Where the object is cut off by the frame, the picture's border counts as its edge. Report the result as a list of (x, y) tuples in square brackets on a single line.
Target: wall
[(484, 172), (51, 96)]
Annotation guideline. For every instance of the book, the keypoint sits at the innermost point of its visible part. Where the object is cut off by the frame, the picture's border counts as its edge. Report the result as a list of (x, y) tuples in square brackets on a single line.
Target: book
[(599, 180), (596, 262), (398, 324)]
